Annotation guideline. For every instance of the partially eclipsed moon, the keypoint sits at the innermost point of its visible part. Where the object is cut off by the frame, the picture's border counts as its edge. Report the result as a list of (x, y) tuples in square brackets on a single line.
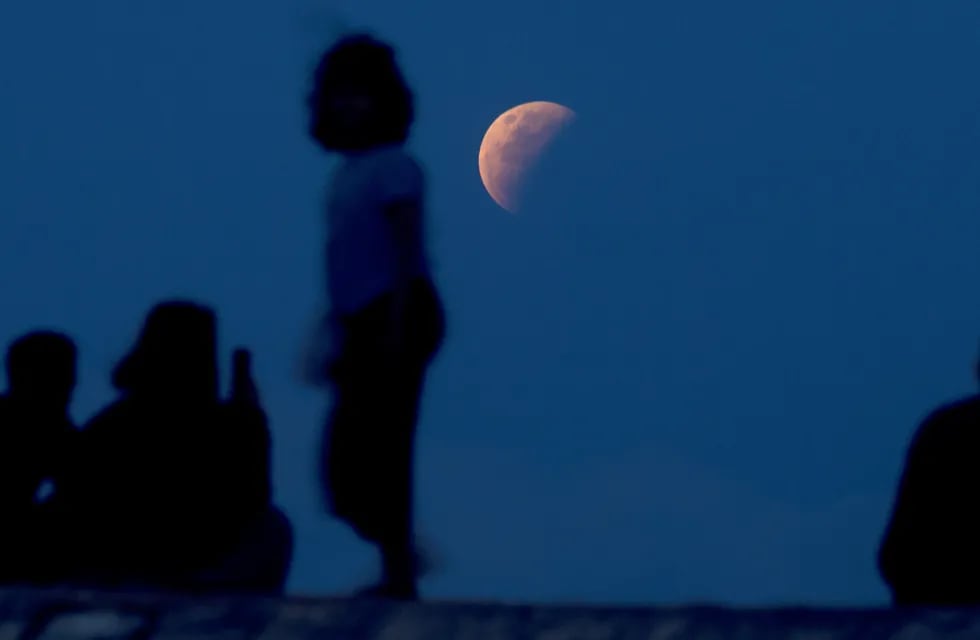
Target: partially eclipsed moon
[(514, 143)]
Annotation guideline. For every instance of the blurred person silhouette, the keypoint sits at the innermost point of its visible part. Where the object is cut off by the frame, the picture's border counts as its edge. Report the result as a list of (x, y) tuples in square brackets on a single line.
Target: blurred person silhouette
[(36, 435), (385, 322), (168, 482), (930, 550)]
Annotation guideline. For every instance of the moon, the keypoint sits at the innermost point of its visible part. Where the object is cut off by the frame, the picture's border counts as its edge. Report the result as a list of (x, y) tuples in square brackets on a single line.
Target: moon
[(514, 144)]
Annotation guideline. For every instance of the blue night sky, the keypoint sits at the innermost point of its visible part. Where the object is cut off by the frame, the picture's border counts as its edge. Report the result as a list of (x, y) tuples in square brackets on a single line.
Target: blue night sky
[(688, 371)]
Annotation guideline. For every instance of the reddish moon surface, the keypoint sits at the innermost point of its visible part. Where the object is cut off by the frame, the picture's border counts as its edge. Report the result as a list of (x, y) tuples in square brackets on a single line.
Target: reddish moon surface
[(514, 144)]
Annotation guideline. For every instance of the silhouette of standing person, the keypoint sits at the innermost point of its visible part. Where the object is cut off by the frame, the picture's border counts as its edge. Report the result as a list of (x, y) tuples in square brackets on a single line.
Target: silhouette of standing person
[(930, 551), (36, 434), (386, 316), (168, 481)]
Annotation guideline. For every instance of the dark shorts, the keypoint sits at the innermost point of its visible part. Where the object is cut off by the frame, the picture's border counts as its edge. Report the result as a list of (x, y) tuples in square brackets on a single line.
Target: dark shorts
[(369, 443)]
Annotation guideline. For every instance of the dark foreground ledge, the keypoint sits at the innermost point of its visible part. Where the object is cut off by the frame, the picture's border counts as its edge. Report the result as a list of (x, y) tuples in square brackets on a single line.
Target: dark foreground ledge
[(74, 615)]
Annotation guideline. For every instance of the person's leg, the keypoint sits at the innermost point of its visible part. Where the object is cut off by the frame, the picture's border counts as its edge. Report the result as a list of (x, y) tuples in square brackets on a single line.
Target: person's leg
[(370, 450), (402, 562), (396, 535), (354, 452)]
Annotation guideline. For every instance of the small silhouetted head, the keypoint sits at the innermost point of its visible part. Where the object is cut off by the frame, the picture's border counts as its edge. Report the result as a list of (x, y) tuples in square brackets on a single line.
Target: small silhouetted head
[(359, 99), (175, 354), (41, 369)]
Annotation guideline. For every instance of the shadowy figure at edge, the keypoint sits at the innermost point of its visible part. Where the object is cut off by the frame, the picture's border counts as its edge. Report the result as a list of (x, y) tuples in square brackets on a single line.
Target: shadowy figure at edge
[(930, 551), (36, 435)]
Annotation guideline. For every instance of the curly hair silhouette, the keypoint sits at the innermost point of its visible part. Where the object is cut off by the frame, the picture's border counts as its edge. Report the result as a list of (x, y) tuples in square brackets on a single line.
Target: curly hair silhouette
[(359, 99)]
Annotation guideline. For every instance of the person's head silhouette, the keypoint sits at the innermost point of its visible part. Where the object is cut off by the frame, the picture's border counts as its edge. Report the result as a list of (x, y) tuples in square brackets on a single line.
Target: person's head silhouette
[(175, 355), (41, 370), (359, 99)]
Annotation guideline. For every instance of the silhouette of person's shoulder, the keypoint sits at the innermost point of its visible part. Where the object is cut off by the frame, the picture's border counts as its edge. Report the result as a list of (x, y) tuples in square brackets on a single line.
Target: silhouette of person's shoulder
[(115, 441), (109, 423), (957, 409), (387, 171), (395, 167), (955, 421), (394, 157)]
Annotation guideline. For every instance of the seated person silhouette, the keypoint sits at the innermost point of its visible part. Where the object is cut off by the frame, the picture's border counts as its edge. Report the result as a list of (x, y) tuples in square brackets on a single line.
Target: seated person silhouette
[(930, 551), (169, 483), (35, 434)]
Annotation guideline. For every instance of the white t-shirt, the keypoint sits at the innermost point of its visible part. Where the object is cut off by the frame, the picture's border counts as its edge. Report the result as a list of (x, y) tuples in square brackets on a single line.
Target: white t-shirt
[(362, 258)]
